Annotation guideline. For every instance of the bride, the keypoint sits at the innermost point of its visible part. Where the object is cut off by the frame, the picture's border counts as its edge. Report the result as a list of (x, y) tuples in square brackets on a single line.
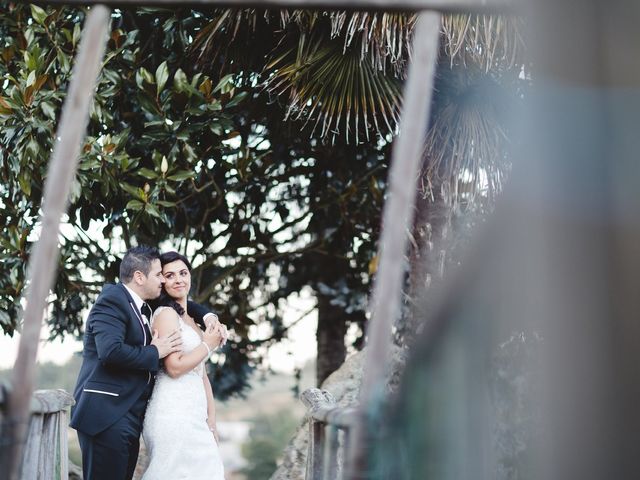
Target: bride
[(179, 428)]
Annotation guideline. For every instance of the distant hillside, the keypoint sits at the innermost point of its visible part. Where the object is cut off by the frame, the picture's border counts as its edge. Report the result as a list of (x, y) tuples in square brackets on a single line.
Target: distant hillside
[(270, 393), (50, 375)]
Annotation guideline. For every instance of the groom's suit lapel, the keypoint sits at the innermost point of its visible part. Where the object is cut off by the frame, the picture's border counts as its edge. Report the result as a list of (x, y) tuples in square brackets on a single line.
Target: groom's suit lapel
[(136, 316)]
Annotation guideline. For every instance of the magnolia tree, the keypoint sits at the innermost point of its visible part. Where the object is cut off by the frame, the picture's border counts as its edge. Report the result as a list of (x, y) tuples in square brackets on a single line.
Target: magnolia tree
[(181, 159)]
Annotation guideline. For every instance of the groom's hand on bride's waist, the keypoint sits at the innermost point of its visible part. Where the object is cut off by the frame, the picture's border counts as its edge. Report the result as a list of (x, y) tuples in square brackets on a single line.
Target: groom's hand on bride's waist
[(168, 344)]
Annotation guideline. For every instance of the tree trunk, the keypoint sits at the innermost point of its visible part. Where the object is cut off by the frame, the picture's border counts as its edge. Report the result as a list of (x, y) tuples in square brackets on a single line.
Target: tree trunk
[(332, 328), (431, 238)]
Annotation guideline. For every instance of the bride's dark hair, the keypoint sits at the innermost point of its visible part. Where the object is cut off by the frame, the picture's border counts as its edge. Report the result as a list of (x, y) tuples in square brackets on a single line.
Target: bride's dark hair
[(165, 299)]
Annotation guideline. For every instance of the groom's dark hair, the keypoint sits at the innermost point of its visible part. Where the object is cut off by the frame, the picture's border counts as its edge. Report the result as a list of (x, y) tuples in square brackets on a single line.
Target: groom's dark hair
[(137, 258)]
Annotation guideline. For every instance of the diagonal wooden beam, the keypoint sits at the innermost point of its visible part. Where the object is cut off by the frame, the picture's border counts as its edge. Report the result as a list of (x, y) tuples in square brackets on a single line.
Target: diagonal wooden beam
[(397, 221), (44, 259), (468, 6)]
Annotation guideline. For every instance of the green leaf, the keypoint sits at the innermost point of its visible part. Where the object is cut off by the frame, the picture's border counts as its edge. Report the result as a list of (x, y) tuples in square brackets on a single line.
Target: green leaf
[(166, 204), (183, 135), (146, 74), (38, 14), (76, 34), (189, 152), (154, 123), (156, 156), (180, 82), (162, 74), (152, 210), (29, 36), (89, 164), (139, 79), (147, 173), (48, 110), (195, 80), (63, 59), (135, 205), (181, 175), (25, 184), (67, 34), (135, 191), (111, 75), (237, 99), (33, 148), (147, 104), (31, 79), (223, 83)]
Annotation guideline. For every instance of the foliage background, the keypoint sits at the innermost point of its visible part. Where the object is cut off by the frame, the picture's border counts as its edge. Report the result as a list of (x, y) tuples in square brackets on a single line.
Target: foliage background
[(175, 156), (257, 143)]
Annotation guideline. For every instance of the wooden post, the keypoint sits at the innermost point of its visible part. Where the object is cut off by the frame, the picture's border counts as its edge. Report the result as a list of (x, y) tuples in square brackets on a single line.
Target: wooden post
[(46, 450), (316, 450), (44, 259), (397, 219), (330, 461), (326, 454), (316, 400), (46, 447)]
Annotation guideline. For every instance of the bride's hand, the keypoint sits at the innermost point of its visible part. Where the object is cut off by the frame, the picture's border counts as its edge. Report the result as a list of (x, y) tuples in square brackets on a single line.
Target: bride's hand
[(213, 335), (212, 319), (214, 430), (225, 334)]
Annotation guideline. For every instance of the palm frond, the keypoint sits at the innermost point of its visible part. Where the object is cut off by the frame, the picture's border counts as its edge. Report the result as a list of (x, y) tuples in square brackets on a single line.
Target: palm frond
[(359, 93), (384, 37), (466, 143), (222, 40), (334, 89), (485, 41)]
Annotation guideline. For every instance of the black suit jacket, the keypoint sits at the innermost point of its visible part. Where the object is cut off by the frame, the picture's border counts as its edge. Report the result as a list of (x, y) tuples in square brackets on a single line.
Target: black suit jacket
[(118, 361)]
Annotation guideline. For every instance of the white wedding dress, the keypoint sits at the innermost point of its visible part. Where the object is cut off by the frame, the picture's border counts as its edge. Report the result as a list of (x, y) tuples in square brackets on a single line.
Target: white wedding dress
[(175, 430)]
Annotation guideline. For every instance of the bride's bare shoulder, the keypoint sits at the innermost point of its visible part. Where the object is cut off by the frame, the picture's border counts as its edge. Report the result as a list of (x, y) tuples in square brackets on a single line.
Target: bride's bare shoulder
[(165, 318)]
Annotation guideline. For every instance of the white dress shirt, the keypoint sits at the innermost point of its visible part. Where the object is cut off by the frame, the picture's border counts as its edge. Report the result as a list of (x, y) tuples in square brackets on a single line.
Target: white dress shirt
[(139, 302)]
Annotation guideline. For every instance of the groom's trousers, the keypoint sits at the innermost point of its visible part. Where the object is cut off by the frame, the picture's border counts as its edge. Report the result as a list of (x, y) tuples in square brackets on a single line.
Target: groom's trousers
[(113, 453)]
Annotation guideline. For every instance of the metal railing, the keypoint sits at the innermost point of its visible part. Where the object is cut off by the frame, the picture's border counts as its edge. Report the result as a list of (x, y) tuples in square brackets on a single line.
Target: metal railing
[(46, 454)]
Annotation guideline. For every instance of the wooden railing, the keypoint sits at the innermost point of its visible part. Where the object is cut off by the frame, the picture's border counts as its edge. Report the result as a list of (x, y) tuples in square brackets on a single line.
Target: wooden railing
[(46, 453), (330, 428)]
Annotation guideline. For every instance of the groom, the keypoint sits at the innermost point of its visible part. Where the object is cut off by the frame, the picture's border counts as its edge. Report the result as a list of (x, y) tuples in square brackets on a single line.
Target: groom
[(120, 359)]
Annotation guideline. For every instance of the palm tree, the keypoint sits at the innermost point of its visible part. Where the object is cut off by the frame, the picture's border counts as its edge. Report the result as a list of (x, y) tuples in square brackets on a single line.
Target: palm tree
[(342, 71), (339, 74)]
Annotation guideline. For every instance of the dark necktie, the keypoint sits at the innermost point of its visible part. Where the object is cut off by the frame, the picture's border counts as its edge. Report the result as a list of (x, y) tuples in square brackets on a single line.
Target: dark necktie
[(146, 311)]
